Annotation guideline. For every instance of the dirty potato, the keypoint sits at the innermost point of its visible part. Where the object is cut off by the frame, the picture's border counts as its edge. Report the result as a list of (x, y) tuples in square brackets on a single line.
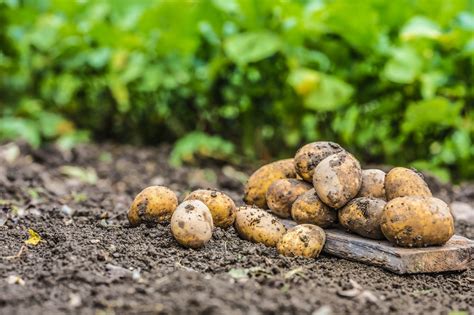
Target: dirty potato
[(362, 216), (222, 207), (305, 240), (311, 154), (282, 193), (373, 184), (401, 182), (258, 183), (416, 221), (259, 226), (191, 224), (152, 205), (308, 208), (337, 179)]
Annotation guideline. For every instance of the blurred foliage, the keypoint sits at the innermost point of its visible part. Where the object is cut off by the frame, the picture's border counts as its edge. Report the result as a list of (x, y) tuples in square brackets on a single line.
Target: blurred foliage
[(389, 80)]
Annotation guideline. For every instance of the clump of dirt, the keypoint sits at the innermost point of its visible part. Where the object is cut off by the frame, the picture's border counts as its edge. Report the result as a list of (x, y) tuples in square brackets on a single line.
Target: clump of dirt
[(90, 259)]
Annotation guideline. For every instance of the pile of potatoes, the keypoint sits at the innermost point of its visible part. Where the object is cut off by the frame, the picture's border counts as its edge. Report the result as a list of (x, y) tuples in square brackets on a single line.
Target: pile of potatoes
[(322, 186)]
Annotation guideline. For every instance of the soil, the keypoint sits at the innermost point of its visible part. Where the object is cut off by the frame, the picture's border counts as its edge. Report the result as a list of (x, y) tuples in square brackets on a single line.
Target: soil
[(90, 261)]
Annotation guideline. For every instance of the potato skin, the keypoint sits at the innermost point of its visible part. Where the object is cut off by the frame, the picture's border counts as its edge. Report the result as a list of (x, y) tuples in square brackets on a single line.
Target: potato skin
[(308, 208), (305, 240), (310, 155), (373, 184), (401, 182), (337, 179), (258, 183), (282, 193), (416, 221), (154, 204), (191, 224), (222, 207), (363, 216), (258, 226)]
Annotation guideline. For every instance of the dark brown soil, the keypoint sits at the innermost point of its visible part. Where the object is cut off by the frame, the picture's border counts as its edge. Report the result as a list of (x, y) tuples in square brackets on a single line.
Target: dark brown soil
[(91, 262)]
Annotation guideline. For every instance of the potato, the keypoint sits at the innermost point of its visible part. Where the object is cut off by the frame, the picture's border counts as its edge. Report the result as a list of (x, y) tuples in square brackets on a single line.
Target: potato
[(362, 216), (305, 240), (152, 205), (308, 208), (191, 224), (222, 207), (401, 182), (311, 154), (416, 221), (258, 183), (282, 193), (337, 179), (259, 226), (373, 184)]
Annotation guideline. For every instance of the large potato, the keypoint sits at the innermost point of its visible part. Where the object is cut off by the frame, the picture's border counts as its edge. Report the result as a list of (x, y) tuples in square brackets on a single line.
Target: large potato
[(373, 184), (152, 205), (259, 226), (258, 183), (416, 221), (305, 240), (337, 179), (401, 182), (222, 207), (362, 216), (308, 208), (311, 154), (282, 193), (191, 224)]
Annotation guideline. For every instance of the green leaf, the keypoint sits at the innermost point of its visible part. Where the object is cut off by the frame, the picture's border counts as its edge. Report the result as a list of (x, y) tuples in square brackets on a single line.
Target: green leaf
[(200, 144), (11, 128), (251, 46), (34, 238), (420, 27), (320, 91), (437, 111), (403, 67)]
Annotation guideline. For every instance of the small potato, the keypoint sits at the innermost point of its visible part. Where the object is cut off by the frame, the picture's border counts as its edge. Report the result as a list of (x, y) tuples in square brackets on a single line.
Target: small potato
[(259, 226), (308, 208), (305, 240), (373, 184), (362, 216), (401, 182), (222, 207), (337, 179), (416, 221), (311, 154), (154, 204), (191, 224), (282, 193), (261, 179)]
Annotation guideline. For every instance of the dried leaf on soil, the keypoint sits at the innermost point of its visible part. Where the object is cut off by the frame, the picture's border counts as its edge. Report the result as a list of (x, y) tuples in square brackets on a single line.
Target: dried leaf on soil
[(34, 238)]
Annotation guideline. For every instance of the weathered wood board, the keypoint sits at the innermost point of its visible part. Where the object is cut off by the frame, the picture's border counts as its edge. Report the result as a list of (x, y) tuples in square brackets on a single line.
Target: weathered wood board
[(455, 255)]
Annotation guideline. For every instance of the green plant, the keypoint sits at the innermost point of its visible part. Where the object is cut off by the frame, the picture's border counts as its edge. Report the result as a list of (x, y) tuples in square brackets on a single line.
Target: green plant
[(389, 80)]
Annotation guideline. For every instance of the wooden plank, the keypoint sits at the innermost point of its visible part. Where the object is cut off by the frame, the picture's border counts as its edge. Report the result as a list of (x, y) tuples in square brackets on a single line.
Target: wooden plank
[(455, 255)]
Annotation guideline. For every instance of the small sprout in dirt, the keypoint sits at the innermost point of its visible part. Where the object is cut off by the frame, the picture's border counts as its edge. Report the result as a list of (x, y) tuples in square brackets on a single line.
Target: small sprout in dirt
[(34, 238), (222, 207), (154, 204), (191, 224), (85, 175)]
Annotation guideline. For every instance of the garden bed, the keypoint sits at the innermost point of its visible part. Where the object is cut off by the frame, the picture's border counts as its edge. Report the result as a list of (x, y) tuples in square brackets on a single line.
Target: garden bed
[(89, 258)]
